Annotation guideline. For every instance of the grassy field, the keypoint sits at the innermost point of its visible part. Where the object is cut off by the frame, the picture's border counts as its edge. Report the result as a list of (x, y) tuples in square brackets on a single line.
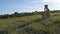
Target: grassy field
[(28, 25)]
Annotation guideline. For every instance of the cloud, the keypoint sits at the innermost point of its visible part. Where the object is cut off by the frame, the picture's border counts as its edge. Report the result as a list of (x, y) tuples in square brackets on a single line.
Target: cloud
[(53, 4), (46, 1), (52, 1)]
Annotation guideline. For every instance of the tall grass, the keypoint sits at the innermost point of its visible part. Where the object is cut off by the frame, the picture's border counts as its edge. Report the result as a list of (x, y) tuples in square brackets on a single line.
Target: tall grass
[(51, 25)]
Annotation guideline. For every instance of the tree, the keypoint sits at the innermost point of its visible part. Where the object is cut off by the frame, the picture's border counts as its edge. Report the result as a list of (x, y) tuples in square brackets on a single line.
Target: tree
[(16, 14)]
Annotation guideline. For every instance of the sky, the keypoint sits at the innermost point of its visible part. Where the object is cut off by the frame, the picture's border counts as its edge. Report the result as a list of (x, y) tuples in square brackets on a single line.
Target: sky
[(11, 6)]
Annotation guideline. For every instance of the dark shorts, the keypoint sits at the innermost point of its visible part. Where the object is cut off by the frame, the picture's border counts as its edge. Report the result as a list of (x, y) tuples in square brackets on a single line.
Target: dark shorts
[(44, 17)]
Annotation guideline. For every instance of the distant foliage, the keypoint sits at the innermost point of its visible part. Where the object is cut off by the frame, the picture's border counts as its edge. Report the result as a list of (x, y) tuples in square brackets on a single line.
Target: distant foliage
[(16, 14)]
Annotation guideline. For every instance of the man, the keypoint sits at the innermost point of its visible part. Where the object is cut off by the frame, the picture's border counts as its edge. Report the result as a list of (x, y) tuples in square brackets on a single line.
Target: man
[(46, 13)]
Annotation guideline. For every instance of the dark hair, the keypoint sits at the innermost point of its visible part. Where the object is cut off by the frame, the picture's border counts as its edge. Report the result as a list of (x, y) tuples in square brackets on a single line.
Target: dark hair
[(46, 5)]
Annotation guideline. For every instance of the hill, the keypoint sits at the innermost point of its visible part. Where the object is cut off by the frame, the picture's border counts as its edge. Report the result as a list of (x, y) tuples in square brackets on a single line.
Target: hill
[(32, 24)]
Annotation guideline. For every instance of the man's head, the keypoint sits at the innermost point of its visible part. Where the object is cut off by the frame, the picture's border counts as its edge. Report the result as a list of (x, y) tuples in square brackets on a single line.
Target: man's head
[(46, 6)]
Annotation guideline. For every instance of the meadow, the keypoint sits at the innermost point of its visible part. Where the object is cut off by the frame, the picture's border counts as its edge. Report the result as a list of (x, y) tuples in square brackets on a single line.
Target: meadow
[(31, 25)]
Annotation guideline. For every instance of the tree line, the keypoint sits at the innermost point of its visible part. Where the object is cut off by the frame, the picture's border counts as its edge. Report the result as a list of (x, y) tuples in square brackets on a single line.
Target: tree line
[(16, 14)]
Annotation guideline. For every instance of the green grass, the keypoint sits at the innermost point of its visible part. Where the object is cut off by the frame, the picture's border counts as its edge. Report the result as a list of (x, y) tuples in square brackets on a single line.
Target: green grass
[(20, 19), (12, 23), (51, 25)]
